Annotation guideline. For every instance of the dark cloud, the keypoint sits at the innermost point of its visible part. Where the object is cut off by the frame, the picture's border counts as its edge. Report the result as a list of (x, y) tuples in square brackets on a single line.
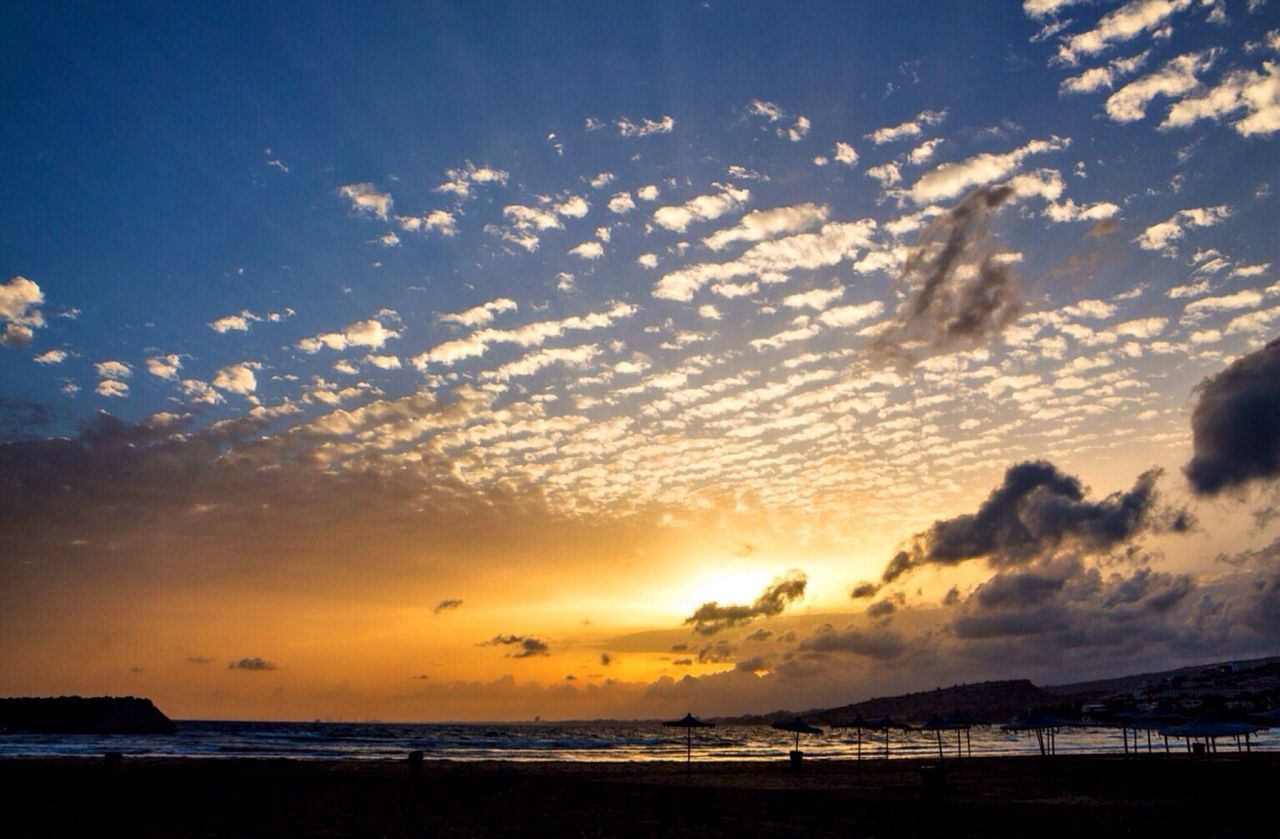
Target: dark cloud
[(1038, 509), (711, 617), (198, 659), (1236, 424), (19, 418), (963, 290), (952, 597), (527, 645), (252, 663), (878, 644), (755, 664), (679, 648), (446, 606), (864, 589), (759, 635), (683, 662), (716, 653), (606, 659), (421, 677), (881, 609)]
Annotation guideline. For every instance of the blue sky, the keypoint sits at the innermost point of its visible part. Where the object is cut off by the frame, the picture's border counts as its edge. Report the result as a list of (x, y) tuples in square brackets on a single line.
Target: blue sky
[(667, 264)]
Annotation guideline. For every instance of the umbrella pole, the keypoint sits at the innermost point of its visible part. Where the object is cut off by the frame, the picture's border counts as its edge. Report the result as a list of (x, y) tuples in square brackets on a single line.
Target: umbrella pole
[(939, 744), (688, 749)]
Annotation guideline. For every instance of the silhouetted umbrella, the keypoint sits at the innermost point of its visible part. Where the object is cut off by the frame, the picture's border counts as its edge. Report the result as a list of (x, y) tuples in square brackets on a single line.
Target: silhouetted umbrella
[(938, 725), (1209, 730), (1147, 721), (859, 723), (1267, 719), (798, 727), (887, 723), (1045, 726), (689, 723)]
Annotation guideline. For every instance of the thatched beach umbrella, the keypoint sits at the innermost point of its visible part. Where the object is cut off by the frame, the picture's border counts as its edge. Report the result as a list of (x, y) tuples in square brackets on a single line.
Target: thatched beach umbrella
[(689, 723), (1148, 721), (857, 723), (1209, 730), (1045, 727), (886, 724), (798, 727), (938, 725)]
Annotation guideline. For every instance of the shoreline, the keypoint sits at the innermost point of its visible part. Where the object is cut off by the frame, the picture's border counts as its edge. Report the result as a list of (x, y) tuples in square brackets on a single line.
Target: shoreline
[(1063, 795)]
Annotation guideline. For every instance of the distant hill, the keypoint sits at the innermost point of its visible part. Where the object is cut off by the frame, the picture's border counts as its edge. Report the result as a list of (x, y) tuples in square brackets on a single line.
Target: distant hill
[(983, 701), (83, 715), (1003, 700)]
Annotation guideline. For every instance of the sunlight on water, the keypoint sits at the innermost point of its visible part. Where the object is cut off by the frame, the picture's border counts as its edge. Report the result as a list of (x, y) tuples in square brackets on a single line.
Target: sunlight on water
[(647, 742)]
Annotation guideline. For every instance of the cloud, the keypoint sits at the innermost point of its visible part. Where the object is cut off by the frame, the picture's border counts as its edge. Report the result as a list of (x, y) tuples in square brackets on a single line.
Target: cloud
[(482, 314), (1176, 77), (1123, 24), (590, 250), (252, 663), (367, 200), (845, 154), (882, 645), (164, 366), (711, 617), (951, 179), (649, 192), (1104, 78), (51, 357), (237, 378), (1036, 510), (963, 290), (1046, 8), (364, 333), (438, 221), (907, 130), (234, 323), (758, 225), (702, 208), (459, 182), (773, 260), (447, 605), (113, 369), (529, 335), (20, 299), (1236, 424), (1257, 94), (1162, 236), (644, 127), (768, 110), (621, 203), (527, 645)]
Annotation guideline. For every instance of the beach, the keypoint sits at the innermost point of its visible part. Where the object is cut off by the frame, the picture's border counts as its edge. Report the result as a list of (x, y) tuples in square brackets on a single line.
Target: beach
[(1069, 795)]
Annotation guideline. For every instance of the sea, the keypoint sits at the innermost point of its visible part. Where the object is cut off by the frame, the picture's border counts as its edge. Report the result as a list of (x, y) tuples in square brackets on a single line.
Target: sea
[(629, 742)]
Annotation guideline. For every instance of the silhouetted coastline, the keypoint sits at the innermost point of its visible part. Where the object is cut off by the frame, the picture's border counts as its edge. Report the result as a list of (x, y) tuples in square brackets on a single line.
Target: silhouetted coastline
[(83, 715)]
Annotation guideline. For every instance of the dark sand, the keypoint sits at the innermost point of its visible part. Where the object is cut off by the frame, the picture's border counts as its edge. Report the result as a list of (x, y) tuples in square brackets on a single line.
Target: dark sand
[(1223, 795)]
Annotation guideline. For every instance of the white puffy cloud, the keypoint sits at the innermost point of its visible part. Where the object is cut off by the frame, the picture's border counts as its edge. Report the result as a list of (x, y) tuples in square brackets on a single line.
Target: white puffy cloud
[(20, 299), (113, 369), (602, 180), (1141, 327), (51, 357), (482, 314), (1199, 309), (771, 261), (234, 323), (1123, 24), (383, 362), (621, 203), (591, 250), (845, 154), (800, 130), (459, 182), (366, 199), (648, 192), (768, 110), (200, 393), (1105, 77), (165, 366), (112, 389), (818, 298), (529, 335), (701, 208), (644, 127), (909, 129), (1176, 77), (535, 361), (1257, 94), (887, 174), (437, 221), (952, 179), (647, 260), (365, 333), (574, 206), (237, 378), (1069, 210), (924, 152), (1046, 8), (1162, 236), (852, 315), (758, 225)]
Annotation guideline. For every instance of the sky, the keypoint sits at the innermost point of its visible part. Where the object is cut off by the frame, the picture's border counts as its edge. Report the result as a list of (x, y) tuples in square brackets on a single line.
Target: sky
[(482, 361)]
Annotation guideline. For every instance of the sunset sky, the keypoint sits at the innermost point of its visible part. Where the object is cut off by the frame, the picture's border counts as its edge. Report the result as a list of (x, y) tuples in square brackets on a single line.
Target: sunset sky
[(483, 361)]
